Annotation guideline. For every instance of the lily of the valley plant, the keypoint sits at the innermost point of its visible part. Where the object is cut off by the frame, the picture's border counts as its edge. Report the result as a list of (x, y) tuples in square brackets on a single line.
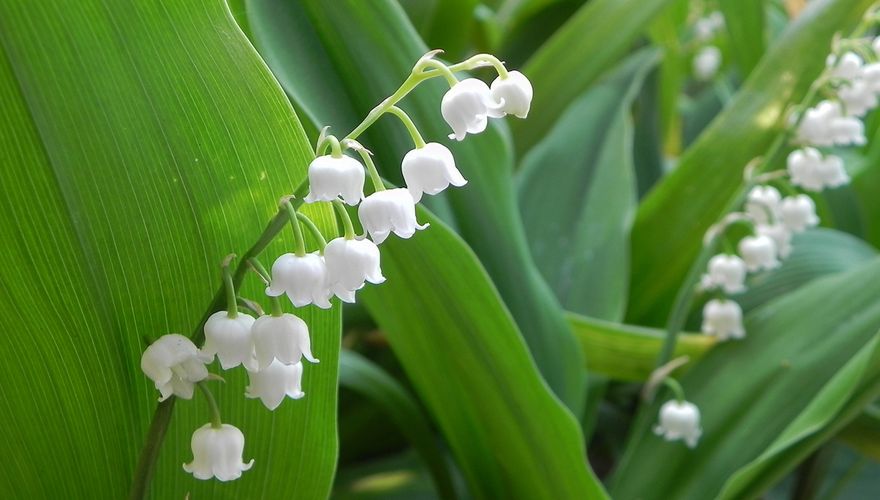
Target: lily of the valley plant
[(272, 347)]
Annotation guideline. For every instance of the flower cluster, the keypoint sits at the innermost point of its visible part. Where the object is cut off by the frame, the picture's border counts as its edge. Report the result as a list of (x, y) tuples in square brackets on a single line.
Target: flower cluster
[(773, 206), (852, 88), (271, 347), (707, 59)]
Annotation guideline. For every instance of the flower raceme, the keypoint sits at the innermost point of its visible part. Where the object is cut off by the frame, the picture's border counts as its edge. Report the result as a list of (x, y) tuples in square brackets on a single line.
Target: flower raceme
[(429, 170), (217, 453), (389, 211), (174, 364), (303, 279), (679, 420), (271, 347)]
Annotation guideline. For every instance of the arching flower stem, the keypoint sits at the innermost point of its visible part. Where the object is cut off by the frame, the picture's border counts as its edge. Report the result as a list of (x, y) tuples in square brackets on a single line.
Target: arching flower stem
[(345, 218), (316, 233), (410, 126), (229, 287), (216, 422)]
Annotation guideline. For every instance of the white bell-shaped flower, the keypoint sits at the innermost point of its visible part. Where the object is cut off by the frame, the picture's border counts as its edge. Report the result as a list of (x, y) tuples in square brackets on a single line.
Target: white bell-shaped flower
[(229, 338), (831, 172), (175, 364), (705, 28), (349, 264), (798, 213), (285, 338), (723, 319), (389, 211), (804, 168), (809, 170), (857, 97), (826, 125), (217, 452), (758, 252), (275, 382), (762, 204), (467, 106), (780, 235), (727, 272), (331, 177), (847, 67), (871, 76), (679, 420), (303, 279), (430, 169), (514, 93), (875, 45), (706, 62)]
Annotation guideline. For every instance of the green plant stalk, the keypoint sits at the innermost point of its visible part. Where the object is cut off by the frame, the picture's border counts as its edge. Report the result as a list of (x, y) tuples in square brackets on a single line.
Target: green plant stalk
[(229, 286), (346, 220), (146, 465), (298, 241), (216, 421), (375, 178), (316, 233), (418, 141)]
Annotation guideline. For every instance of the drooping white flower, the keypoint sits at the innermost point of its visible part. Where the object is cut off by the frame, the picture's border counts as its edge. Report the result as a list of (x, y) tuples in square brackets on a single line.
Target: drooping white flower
[(349, 264), (798, 213), (758, 252), (762, 204), (871, 76), (389, 211), (857, 97), (229, 338), (780, 235), (331, 177), (467, 106), (174, 364), (679, 420), (275, 382), (723, 319), (706, 62), (430, 169), (727, 272), (875, 45), (303, 279), (809, 170), (514, 93), (217, 452), (826, 125), (705, 28), (285, 338), (847, 67)]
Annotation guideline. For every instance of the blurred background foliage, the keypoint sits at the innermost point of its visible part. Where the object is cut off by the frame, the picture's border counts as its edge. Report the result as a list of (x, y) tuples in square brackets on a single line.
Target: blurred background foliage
[(504, 356)]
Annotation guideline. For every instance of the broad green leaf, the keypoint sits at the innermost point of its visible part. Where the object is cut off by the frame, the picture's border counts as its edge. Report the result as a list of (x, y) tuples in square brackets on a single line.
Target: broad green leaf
[(368, 379), (627, 352), (446, 24), (750, 391), (671, 221), (667, 32), (817, 253), (838, 402), (466, 359), (371, 47), (745, 23), (141, 142), (577, 195), (575, 56)]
